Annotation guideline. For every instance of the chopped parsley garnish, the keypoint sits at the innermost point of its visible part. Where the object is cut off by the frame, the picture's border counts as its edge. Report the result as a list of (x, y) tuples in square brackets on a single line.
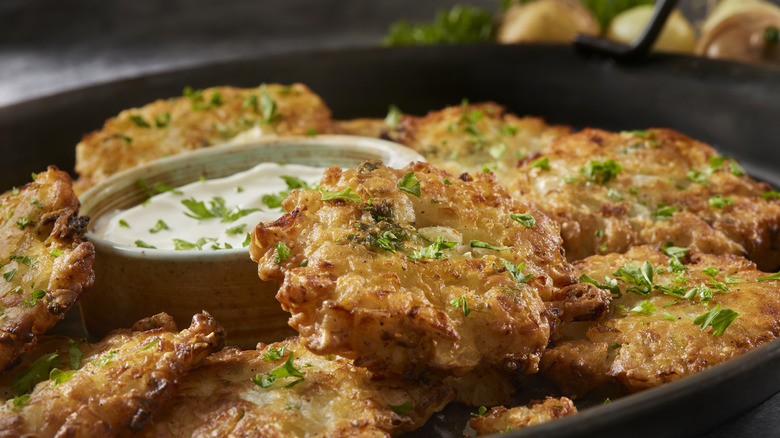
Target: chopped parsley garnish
[(775, 276), (74, 355), (14, 191), (736, 169), (246, 241), (480, 412), (599, 233), (282, 252), (711, 271), (9, 275), (286, 370), (57, 252), (268, 105), (37, 203), (525, 219), (58, 376), (345, 194), (697, 177), (665, 212), (716, 162), (674, 251), (23, 222), (142, 244), (159, 226), (644, 308), (410, 184), (123, 223), (388, 241), (183, 245), (433, 251), (162, 120), (508, 130), (481, 244), (238, 229), (26, 260), (216, 209), (641, 279), (609, 284), (274, 354), (105, 359), (20, 401), (669, 317), (311, 132), (718, 201), (497, 151), (701, 291), (36, 296), (304, 263), (614, 194), (542, 163), (393, 117), (516, 272), (771, 194), (402, 409), (37, 372), (274, 200), (161, 187), (150, 345), (601, 172), (251, 103), (139, 121), (447, 182), (719, 319), (461, 303)]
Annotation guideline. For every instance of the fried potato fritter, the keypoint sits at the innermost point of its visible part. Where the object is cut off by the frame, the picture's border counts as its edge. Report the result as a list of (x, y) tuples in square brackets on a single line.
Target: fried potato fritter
[(46, 267), (122, 381), (413, 270), (672, 320), (199, 119), (501, 419), (244, 394), (472, 137), (610, 191)]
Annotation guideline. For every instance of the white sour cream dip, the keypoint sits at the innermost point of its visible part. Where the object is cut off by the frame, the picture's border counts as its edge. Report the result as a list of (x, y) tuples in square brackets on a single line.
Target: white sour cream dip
[(209, 214)]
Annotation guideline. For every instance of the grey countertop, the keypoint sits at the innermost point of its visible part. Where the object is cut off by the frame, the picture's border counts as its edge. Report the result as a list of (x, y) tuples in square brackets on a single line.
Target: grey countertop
[(50, 46)]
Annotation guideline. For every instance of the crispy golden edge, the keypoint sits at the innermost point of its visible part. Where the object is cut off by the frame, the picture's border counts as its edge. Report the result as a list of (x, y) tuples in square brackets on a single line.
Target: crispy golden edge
[(374, 313), (501, 419), (123, 380), (643, 349), (334, 399), (40, 222), (661, 168), (168, 127)]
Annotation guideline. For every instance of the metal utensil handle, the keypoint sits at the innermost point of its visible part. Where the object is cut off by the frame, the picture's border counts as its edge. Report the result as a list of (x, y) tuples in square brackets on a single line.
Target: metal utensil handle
[(640, 47)]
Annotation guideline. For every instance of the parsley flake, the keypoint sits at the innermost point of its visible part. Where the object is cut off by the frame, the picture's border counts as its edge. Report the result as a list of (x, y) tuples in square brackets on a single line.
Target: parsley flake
[(644, 308), (525, 219), (402, 409), (58, 376), (542, 163), (601, 172), (433, 251), (345, 194), (775, 276), (282, 252), (516, 272), (718, 201), (461, 303), (481, 244), (139, 121), (410, 184), (393, 117), (719, 319), (268, 105), (286, 370), (159, 226)]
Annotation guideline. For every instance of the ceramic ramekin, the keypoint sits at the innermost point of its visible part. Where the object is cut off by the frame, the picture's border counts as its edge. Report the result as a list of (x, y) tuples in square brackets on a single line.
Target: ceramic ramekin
[(132, 283)]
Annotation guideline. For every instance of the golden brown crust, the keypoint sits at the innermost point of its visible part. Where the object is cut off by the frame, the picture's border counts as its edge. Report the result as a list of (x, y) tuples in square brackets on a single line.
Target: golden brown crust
[(645, 347), (392, 313), (40, 250), (662, 193), (501, 419), (169, 127), (334, 399), (122, 381), (470, 137)]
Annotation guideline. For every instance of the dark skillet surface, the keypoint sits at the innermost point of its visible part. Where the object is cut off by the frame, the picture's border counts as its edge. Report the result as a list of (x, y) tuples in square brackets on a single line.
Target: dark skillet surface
[(731, 106)]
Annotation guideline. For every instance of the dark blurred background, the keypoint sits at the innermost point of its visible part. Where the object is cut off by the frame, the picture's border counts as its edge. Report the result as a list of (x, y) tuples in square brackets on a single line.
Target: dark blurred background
[(53, 45)]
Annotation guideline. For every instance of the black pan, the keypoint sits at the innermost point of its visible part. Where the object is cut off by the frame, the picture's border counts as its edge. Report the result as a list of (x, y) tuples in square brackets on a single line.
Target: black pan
[(734, 107)]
